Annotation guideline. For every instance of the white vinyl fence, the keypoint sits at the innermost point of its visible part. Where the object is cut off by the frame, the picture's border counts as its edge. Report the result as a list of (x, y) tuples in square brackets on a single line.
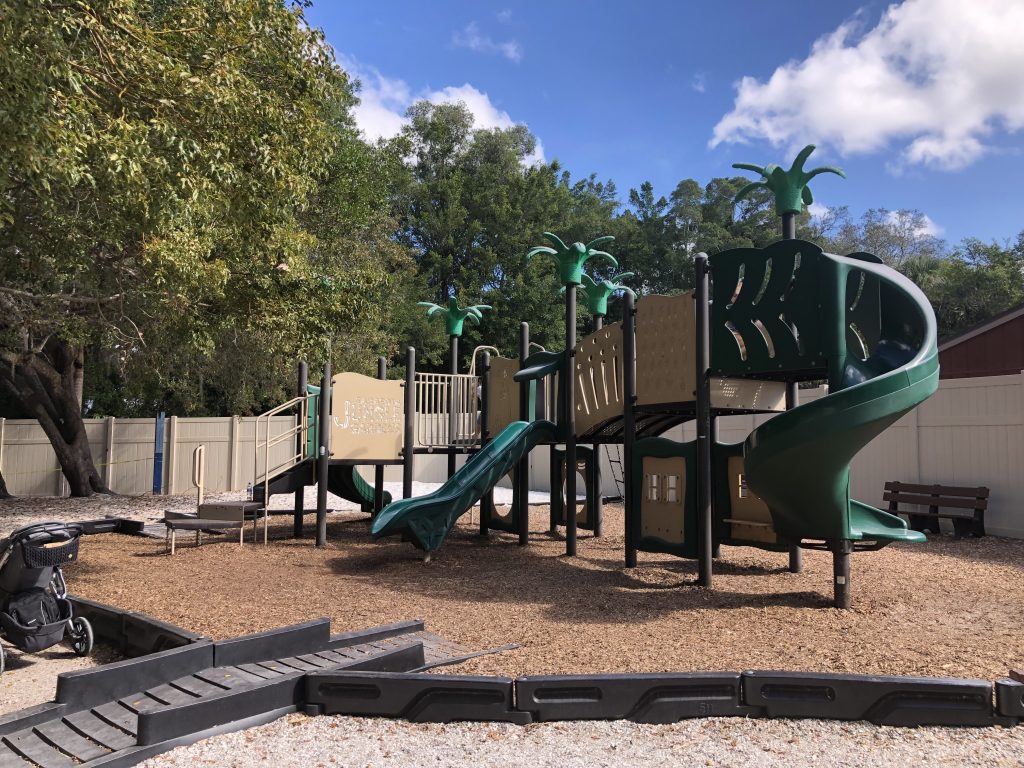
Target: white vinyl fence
[(971, 432), (123, 452)]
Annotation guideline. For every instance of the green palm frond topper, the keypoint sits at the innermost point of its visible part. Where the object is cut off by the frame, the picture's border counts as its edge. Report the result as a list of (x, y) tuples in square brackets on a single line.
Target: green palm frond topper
[(454, 315), (789, 187), (571, 258), (597, 292)]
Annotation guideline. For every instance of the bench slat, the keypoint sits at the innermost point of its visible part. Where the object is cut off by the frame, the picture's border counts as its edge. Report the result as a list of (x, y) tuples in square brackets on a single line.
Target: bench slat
[(941, 490), (935, 501)]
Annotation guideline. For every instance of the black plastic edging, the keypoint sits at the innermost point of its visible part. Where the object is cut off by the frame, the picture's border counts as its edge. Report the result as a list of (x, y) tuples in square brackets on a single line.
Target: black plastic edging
[(896, 701), (131, 632), (297, 639), (643, 698), (1010, 698), (418, 697), (345, 639), (86, 688)]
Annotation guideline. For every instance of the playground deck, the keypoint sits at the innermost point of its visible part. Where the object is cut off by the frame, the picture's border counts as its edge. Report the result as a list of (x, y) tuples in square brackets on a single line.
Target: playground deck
[(588, 614)]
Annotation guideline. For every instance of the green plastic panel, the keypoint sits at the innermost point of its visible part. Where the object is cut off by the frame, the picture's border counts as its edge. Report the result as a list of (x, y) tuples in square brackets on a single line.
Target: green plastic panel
[(769, 310), (426, 520)]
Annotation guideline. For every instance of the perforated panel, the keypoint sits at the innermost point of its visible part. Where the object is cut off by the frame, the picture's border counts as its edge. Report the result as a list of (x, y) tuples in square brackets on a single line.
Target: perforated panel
[(599, 378), (665, 355)]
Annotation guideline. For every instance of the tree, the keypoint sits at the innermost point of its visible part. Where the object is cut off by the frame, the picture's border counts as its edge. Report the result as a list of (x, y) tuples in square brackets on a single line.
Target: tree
[(157, 159)]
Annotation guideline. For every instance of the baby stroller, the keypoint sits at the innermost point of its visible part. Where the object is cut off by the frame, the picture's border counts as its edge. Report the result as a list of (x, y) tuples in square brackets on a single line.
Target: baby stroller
[(34, 609)]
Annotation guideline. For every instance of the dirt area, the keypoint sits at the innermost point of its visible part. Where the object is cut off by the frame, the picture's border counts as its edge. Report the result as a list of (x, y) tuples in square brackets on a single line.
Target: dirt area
[(946, 608)]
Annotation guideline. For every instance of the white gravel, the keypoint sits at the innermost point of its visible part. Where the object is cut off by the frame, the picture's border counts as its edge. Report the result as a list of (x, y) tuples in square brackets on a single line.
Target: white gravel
[(302, 742), (31, 678)]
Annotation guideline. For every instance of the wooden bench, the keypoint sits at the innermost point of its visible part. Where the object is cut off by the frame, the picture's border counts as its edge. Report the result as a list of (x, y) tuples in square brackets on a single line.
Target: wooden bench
[(969, 503)]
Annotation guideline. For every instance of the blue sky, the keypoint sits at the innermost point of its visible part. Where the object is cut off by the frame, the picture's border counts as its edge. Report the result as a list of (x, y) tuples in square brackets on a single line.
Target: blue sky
[(922, 103)]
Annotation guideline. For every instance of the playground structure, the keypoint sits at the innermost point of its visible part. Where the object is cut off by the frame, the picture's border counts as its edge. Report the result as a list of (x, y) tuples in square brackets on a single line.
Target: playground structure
[(759, 322)]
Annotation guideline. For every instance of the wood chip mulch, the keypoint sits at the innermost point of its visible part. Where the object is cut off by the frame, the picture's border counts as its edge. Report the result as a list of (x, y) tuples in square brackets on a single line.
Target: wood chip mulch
[(945, 608)]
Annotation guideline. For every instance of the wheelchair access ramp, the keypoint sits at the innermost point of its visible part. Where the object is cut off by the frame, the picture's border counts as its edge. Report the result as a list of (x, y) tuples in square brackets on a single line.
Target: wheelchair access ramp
[(122, 713)]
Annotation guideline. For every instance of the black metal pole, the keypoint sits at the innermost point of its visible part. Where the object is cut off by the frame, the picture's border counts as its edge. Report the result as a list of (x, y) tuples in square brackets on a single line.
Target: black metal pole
[(487, 501), (596, 493), (378, 471), (453, 369), (521, 496), (796, 555), (570, 420), (323, 458), (789, 226), (841, 550), (628, 423), (300, 448), (409, 446), (704, 522), (716, 547), (554, 462)]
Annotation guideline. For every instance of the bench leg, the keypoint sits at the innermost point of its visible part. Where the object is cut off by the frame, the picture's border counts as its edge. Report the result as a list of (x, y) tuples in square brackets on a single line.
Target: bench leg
[(241, 534), (174, 535), (796, 559), (199, 541), (841, 572)]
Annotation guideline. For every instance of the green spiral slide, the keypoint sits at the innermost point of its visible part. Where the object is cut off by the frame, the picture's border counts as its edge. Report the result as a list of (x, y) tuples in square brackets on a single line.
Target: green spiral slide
[(873, 332), (426, 520)]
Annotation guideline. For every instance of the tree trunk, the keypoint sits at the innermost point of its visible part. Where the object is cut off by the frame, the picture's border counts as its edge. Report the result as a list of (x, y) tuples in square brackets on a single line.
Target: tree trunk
[(44, 382)]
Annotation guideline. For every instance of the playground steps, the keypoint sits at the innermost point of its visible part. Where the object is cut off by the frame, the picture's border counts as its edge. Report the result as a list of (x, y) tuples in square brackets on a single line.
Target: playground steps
[(182, 706)]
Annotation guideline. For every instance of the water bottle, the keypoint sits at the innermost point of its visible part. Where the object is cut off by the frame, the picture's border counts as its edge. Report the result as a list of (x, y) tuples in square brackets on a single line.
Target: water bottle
[(248, 492)]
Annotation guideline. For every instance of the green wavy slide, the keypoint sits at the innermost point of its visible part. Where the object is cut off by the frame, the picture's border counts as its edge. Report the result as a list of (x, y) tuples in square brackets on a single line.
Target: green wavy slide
[(426, 520), (345, 481), (875, 333)]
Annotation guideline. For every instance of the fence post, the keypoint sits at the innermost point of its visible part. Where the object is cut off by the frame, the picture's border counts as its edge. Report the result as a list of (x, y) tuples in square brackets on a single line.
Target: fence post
[(108, 474), (233, 457), (172, 453)]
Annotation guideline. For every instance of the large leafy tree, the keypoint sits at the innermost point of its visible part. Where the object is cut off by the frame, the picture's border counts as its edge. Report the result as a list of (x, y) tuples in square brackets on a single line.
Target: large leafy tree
[(158, 160)]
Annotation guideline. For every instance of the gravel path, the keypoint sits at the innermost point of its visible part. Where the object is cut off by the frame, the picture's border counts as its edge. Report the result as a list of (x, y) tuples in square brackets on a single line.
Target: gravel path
[(300, 742), (31, 678)]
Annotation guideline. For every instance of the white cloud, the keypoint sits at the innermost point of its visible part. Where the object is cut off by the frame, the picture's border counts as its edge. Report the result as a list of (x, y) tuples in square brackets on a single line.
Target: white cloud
[(817, 210), (699, 82), (383, 102), (935, 76), (504, 15), (472, 38)]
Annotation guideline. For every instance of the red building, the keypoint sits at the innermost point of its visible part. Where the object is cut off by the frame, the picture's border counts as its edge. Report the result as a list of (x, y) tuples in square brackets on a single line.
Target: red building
[(993, 348)]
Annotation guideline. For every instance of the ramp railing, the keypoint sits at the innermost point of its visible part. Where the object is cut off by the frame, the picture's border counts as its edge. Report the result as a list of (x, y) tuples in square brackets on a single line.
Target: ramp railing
[(447, 410)]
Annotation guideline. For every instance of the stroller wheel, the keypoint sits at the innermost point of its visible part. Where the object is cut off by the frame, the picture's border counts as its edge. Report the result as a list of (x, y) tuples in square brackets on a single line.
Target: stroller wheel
[(81, 636)]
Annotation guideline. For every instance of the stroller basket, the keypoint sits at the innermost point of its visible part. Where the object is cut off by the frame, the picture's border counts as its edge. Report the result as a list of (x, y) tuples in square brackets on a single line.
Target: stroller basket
[(50, 555)]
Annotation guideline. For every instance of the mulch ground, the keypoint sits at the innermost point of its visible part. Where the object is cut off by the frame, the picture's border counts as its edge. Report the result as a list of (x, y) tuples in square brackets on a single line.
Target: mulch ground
[(946, 608)]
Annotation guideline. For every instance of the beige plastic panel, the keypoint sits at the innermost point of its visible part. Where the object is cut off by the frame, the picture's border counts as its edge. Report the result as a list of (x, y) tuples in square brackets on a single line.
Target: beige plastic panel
[(748, 394), (503, 395), (367, 418), (663, 498), (665, 362), (599, 377), (756, 520)]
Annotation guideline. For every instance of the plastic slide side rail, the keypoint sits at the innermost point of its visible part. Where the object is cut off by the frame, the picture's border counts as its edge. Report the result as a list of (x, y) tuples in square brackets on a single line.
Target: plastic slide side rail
[(426, 520)]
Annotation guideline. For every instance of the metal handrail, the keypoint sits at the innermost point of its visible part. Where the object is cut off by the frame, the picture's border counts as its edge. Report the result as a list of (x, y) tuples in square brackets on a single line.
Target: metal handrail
[(447, 408), (478, 350), (199, 473), (301, 429)]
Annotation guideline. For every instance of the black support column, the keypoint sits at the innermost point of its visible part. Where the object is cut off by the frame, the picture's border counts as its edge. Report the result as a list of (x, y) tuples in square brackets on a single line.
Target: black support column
[(453, 369), (487, 500), (409, 442), (704, 472), (378, 471), (300, 448), (323, 457), (629, 423), (569, 393), (522, 471), (796, 555)]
